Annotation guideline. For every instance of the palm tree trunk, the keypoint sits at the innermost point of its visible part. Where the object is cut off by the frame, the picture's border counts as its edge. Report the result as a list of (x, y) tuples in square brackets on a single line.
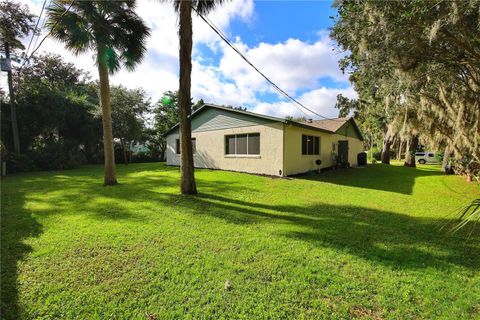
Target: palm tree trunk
[(13, 110), (187, 180), (110, 175)]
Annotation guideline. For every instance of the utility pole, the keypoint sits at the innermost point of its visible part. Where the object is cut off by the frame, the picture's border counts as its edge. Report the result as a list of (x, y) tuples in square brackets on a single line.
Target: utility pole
[(13, 110)]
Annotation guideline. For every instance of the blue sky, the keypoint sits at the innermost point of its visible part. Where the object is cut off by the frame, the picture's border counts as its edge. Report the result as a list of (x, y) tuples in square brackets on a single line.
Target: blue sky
[(287, 40), (277, 21)]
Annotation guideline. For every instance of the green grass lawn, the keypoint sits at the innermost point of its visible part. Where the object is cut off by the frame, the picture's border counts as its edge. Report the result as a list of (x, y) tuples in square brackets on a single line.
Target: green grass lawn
[(357, 243)]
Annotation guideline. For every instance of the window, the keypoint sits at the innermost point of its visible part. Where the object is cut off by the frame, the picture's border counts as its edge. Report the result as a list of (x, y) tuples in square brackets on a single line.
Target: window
[(243, 144), (194, 146), (310, 145), (230, 144), (431, 155), (254, 143), (420, 154)]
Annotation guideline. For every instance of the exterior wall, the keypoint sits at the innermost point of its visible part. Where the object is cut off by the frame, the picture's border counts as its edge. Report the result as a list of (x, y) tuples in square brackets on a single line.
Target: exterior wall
[(210, 146), (216, 119), (296, 163)]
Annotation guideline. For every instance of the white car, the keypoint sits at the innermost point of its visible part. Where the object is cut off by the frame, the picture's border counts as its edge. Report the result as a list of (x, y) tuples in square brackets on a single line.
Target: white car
[(426, 157)]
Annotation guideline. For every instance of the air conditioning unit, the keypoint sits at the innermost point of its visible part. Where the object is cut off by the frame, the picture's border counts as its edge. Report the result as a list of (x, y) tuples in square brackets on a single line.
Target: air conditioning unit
[(6, 65)]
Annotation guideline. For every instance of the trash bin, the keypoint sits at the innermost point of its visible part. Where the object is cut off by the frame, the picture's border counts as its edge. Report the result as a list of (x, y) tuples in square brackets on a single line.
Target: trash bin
[(362, 159)]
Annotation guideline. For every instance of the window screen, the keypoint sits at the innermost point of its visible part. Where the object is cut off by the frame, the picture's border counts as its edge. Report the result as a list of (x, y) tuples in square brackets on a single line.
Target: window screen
[(243, 144), (254, 143), (310, 145), (230, 144)]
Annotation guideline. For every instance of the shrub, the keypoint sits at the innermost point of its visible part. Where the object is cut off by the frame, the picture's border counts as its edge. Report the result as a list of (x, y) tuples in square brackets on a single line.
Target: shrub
[(53, 154), (375, 153), (145, 157), (16, 163)]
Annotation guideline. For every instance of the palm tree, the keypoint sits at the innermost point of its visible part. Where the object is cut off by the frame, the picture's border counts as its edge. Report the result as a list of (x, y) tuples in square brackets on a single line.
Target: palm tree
[(116, 34), (184, 9)]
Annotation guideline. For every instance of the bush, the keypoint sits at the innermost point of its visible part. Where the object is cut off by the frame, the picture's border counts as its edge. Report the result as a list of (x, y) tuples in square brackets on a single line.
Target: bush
[(46, 154), (138, 157), (376, 153), (16, 163), (52, 154), (468, 167), (145, 157)]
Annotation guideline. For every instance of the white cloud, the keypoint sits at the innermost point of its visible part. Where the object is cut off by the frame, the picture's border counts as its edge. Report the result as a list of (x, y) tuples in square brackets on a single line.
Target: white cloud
[(209, 85), (322, 101), (294, 65)]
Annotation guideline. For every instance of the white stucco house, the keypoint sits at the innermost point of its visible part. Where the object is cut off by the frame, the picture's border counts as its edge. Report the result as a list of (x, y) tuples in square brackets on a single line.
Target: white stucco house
[(237, 140)]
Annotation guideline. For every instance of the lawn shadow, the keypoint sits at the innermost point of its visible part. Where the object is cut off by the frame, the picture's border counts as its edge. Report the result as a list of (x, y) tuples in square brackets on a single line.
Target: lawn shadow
[(391, 178), (388, 238), (384, 237), (17, 225), (77, 191)]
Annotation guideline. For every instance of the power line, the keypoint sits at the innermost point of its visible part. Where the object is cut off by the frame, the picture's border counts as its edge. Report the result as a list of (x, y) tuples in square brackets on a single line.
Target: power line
[(43, 25), (46, 36), (36, 26), (294, 101), (224, 38)]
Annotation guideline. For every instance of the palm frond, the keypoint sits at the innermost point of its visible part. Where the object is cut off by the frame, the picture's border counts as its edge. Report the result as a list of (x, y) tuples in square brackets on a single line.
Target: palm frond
[(111, 25), (469, 214), (68, 27), (132, 40), (112, 59), (205, 6), (201, 6)]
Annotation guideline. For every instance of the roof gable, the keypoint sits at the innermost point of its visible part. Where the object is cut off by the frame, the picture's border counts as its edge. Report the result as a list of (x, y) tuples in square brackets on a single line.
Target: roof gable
[(350, 129), (211, 117)]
